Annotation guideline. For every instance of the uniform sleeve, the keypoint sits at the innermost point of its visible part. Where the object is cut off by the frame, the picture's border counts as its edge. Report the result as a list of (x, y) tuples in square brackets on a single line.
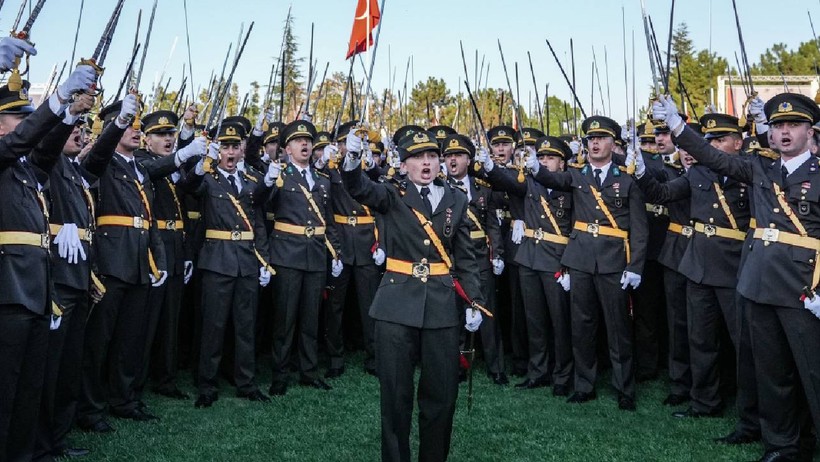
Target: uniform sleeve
[(101, 153), (160, 167), (656, 192), (561, 181), (157, 247), (252, 153), (725, 164), (493, 229), (366, 192), (260, 233), (464, 260), (502, 180), (28, 133), (47, 151), (638, 231)]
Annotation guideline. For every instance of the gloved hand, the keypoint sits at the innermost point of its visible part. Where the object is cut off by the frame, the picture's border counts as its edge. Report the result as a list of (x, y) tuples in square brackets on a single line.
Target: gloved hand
[(813, 305), (532, 163), (274, 169), (11, 48), (575, 147), (264, 116), (483, 156), (197, 148), (756, 110), (395, 160), (563, 279), (498, 266), (336, 267), (517, 231), (353, 143), (163, 275), (129, 109), (69, 244), (188, 271), (80, 80), (636, 157), (328, 153), (264, 277), (665, 109), (630, 279), (213, 151), (378, 256), (367, 158), (473, 319)]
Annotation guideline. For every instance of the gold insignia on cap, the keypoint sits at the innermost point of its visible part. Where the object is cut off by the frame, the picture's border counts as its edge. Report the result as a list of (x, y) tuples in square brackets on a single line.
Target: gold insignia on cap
[(421, 138), (502, 133), (24, 94), (163, 121), (595, 125), (712, 123), (527, 135), (441, 133), (323, 138), (274, 131), (301, 128), (545, 144), (784, 107), (453, 143), (230, 131)]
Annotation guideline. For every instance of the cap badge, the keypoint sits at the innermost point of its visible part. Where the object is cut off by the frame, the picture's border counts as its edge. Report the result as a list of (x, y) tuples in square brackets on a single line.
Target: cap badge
[(711, 123), (453, 143), (784, 107), (527, 135), (595, 125), (301, 128), (440, 133), (502, 133), (323, 138), (230, 131), (275, 131), (163, 121), (420, 138)]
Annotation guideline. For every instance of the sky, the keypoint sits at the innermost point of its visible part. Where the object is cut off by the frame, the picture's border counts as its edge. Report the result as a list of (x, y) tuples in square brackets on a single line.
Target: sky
[(429, 31)]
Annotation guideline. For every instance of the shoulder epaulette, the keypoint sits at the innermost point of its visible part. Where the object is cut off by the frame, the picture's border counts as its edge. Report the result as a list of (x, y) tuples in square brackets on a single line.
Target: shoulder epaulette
[(769, 154), (481, 182), (252, 178), (321, 173), (622, 168), (575, 165)]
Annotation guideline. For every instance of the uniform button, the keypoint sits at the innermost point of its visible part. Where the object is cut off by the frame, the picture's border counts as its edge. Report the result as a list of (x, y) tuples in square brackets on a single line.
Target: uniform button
[(426, 242), (811, 260), (392, 281), (714, 206), (776, 210), (771, 225), (711, 220), (802, 198), (237, 213), (24, 181), (542, 217), (596, 221), (236, 226), (354, 212), (803, 191), (597, 207), (309, 222)]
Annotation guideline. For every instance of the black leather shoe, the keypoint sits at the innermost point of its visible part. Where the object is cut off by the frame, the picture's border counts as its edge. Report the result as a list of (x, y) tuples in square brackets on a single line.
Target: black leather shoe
[(518, 372), (137, 415), (530, 384), (776, 456), (692, 413), (71, 452), (560, 390), (204, 401), (581, 397), (255, 395), (334, 372), (675, 400), (626, 403), (499, 379), (318, 384), (174, 393), (737, 437), (100, 426), (278, 389)]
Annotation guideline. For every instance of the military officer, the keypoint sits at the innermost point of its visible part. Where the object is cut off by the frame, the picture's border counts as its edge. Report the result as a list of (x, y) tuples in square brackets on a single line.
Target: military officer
[(544, 281), (417, 319), (605, 255)]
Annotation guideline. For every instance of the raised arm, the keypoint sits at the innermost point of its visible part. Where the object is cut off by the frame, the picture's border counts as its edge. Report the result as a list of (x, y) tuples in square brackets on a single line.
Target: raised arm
[(504, 179)]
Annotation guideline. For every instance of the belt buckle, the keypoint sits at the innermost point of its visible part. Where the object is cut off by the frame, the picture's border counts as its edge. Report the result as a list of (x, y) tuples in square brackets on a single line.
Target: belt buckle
[(171, 225), (770, 235), (593, 228), (421, 270), (687, 231), (45, 240), (236, 235), (709, 230), (657, 209), (538, 234), (352, 221), (310, 231), (138, 222)]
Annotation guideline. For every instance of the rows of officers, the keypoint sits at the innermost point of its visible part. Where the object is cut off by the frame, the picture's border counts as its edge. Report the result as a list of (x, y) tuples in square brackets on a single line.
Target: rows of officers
[(686, 247)]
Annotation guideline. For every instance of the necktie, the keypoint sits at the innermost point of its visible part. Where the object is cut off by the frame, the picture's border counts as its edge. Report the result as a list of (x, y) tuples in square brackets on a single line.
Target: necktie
[(133, 167), (304, 177), (425, 192), (598, 177), (234, 189), (784, 172)]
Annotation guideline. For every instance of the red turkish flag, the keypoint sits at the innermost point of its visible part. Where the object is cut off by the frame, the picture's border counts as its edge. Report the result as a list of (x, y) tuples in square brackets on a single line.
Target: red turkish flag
[(366, 19)]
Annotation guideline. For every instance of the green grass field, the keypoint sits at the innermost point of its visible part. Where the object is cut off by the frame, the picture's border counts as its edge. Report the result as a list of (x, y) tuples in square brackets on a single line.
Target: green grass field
[(506, 424)]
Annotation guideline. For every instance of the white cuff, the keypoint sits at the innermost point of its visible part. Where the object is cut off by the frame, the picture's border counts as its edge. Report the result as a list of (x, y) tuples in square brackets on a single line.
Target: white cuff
[(761, 128), (257, 132), (679, 129), (55, 105), (200, 168), (351, 164), (117, 123), (70, 119)]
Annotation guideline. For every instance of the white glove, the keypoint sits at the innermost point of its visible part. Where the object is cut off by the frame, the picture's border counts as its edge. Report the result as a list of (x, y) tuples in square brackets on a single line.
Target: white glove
[(473, 319), (498, 266), (353, 142), (630, 279), (395, 160), (378, 256), (443, 168), (563, 279), (188, 272), (80, 80), (264, 116), (517, 231), (665, 109), (196, 148), (328, 153), (756, 110), (129, 108), (483, 156), (575, 147), (367, 158), (813, 305), (274, 169), (55, 322), (163, 275), (336, 267), (69, 244), (11, 48), (264, 277), (213, 151), (532, 163), (636, 157)]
